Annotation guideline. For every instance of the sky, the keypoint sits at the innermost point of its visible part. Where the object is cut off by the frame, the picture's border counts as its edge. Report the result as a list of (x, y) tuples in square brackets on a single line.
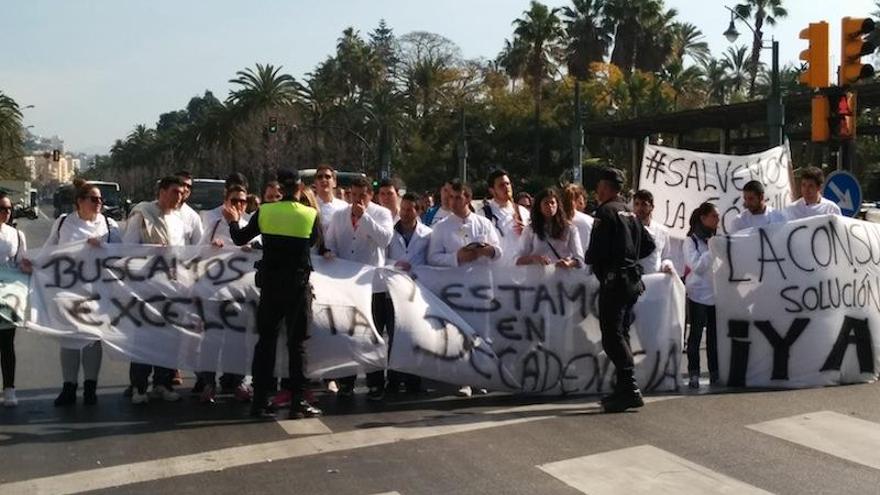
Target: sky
[(93, 69)]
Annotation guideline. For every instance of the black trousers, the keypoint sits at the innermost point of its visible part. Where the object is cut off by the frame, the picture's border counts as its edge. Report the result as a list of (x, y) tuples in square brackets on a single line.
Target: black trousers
[(615, 318), (291, 304), (702, 316), (383, 318), (7, 357), (139, 374)]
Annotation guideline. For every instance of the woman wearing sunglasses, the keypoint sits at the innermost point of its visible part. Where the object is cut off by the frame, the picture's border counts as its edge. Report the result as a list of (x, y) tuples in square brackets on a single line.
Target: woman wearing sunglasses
[(85, 224), (12, 247)]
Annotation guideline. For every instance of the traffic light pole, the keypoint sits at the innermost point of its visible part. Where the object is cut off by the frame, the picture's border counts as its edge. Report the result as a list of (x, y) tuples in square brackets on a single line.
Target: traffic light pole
[(577, 138), (775, 108)]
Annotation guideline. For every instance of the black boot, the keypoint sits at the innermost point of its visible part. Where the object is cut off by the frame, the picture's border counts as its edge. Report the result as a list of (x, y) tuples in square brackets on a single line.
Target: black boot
[(90, 392), (627, 394), (300, 409), (67, 396), (261, 407)]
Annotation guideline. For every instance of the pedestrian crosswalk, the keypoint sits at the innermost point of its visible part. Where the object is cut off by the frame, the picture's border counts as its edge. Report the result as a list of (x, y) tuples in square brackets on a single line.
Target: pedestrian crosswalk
[(649, 469), (642, 469)]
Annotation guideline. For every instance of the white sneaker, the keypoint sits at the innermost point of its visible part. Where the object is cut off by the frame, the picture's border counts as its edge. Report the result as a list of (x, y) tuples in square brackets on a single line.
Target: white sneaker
[(9, 399), (464, 391), (482, 391), (165, 393), (139, 398), (332, 387)]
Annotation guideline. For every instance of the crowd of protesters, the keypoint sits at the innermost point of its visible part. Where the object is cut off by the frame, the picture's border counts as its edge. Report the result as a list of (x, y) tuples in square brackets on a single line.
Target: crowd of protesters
[(389, 227)]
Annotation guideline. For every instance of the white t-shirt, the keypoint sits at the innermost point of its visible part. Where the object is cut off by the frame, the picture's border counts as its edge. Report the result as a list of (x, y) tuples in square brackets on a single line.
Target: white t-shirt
[(192, 223), (453, 233), (747, 219), (328, 209), (173, 221), (72, 228), (505, 223), (584, 225), (567, 247), (699, 285), (216, 227), (653, 262), (800, 209), (12, 245)]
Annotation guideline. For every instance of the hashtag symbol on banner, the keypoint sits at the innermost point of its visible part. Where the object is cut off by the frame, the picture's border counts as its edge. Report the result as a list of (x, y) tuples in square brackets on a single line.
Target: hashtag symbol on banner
[(655, 164)]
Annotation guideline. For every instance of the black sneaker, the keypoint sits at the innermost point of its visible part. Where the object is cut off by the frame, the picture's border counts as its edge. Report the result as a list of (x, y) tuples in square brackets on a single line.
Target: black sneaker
[(624, 401), (376, 394), (90, 392), (345, 392), (302, 410), (262, 410), (67, 396)]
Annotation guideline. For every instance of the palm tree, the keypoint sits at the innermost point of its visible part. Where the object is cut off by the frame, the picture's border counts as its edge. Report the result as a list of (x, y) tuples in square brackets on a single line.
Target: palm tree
[(513, 60), (10, 125), (263, 89), (737, 64), (716, 81), (586, 36), (762, 11), (630, 21), (540, 30), (688, 41), (655, 41), (682, 80)]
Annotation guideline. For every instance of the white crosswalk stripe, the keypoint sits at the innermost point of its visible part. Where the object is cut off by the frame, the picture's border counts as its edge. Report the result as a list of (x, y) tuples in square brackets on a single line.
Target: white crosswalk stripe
[(832, 433), (643, 469)]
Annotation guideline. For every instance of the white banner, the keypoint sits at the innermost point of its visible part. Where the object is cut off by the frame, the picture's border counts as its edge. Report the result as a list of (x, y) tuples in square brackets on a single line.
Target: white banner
[(799, 303), (528, 329), (13, 296), (681, 180), (194, 307)]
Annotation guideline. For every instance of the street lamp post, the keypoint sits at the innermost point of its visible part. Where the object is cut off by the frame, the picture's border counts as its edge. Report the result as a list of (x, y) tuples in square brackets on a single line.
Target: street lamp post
[(577, 138), (462, 148), (775, 108)]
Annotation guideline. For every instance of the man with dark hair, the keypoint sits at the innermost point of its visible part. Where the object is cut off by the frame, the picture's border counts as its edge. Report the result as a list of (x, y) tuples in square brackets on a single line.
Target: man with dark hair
[(361, 232), (811, 202), (408, 249), (156, 222), (617, 244), (658, 260), (463, 238), (389, 197), (190, 217), (289, 229), (235, 179), (508, 217), (442, 210), (271, 192), (756, 212), (325, 189)]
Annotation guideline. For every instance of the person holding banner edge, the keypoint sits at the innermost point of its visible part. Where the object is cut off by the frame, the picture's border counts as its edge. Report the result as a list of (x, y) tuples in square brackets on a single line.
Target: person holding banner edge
[(12, 245), (617, 243), (288, 229), (86, 223), (811, 202), (756, 212), (701, 292)]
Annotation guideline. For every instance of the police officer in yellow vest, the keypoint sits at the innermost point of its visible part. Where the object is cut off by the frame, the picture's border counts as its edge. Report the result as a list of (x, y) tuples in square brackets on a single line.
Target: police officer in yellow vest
[(288, 229)]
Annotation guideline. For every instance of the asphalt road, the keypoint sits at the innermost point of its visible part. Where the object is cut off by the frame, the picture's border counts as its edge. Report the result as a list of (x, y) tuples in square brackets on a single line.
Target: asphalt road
[(807, 441)]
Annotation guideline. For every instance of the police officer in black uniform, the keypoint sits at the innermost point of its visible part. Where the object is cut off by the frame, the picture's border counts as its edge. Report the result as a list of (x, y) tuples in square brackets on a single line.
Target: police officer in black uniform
[(289, 229), (617, 243)]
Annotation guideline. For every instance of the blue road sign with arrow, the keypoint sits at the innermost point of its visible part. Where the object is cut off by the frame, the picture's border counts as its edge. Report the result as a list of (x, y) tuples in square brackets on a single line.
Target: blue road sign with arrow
[(843, 189)]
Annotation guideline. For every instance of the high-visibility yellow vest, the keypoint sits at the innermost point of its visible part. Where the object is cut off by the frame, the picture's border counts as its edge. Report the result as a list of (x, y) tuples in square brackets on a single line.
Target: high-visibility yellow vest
[(287, 218)]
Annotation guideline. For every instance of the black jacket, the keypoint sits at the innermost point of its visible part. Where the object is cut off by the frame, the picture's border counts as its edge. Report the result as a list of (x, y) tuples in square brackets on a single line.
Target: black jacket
[(619, 240)]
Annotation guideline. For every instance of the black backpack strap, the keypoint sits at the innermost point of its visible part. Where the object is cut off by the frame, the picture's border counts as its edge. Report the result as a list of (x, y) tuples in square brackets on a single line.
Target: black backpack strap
[(63, 218), (487, 211)]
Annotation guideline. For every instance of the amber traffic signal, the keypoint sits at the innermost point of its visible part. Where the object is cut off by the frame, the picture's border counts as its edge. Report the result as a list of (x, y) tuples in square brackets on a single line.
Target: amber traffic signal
[(852, 47), (816, 56), (820, 130)]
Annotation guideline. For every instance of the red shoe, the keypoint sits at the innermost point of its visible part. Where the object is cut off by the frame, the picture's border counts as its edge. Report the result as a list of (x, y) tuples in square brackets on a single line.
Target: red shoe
[(309, 396), (282, 398)]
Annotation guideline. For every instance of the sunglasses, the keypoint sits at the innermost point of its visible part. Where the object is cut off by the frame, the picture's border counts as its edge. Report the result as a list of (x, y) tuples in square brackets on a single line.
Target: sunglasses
[(5, 209), (324, 176), (238, 201)]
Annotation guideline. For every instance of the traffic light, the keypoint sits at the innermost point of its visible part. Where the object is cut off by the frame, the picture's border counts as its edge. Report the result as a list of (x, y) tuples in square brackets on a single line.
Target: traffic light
[(273, 124), (821, 112), (844, 115), (852, 48), (816, 56), (56, 155)]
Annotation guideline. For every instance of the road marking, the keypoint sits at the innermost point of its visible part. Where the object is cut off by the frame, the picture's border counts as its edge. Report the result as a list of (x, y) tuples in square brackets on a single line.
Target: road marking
[(217, 460), (642, 469), (829, 432), (40, 212), (310, 426)]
